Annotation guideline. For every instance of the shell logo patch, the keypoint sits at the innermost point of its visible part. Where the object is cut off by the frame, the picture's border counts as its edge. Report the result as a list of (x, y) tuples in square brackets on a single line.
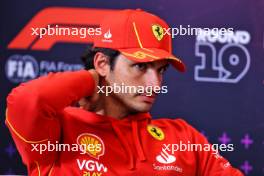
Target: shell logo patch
[(158, 31), (91, 144), (156, 132)]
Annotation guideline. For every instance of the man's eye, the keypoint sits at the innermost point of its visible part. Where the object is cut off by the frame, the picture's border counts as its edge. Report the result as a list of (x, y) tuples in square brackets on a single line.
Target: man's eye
[(140, 66)]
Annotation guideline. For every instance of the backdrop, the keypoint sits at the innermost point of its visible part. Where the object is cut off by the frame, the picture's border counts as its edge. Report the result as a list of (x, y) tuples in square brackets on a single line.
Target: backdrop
[(221, 94)]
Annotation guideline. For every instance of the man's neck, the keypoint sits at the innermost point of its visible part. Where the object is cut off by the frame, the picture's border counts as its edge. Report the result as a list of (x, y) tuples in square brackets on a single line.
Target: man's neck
[(112, 107)]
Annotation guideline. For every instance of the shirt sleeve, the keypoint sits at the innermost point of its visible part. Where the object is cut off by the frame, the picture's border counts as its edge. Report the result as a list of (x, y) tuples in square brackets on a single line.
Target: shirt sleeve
[(34, 110), (210, 162)]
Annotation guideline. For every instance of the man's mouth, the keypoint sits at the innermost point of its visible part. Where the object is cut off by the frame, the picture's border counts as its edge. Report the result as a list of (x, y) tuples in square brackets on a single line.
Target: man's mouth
[(148, 98)]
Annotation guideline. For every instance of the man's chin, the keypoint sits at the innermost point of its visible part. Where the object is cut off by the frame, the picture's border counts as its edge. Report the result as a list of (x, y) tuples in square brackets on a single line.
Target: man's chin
[(143, 107)]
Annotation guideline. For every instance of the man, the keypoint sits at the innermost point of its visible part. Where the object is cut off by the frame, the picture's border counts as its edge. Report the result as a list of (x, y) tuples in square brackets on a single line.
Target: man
[(116, 133)]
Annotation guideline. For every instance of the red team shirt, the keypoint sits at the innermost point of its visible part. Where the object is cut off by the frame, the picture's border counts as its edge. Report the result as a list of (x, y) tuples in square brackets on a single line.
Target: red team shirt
[(40, 112)]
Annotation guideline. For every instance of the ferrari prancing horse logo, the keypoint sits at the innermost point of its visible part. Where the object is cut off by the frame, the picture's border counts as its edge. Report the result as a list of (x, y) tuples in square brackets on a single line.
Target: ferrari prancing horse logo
[(155, 132), (158, 31)]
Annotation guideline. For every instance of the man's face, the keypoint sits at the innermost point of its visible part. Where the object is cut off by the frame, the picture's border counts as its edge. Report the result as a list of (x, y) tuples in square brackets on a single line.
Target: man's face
[(130, 73)]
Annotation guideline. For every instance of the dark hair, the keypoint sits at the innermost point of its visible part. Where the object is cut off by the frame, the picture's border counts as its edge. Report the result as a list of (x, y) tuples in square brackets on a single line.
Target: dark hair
[(88, 56)]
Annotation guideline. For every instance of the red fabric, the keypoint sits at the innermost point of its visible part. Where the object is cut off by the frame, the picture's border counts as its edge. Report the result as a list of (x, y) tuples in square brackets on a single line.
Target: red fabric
[(39, 112)]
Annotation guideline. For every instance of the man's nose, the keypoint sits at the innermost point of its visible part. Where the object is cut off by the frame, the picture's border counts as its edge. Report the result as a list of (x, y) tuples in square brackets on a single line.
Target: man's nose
[(153, 78)]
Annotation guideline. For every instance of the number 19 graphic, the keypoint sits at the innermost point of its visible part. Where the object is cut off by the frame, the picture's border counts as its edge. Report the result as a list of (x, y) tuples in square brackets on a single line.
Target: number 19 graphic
[(228, 66)]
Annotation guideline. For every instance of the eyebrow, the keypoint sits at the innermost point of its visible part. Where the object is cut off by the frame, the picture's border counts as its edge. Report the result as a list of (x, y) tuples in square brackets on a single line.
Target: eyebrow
[(152, 64), (163, 66)]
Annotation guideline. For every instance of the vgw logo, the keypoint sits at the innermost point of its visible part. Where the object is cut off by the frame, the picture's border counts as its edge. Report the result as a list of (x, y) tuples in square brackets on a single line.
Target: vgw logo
[(230, 64)]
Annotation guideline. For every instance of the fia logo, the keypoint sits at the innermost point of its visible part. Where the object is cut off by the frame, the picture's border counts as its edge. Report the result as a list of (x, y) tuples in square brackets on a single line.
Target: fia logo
[(21, 68)]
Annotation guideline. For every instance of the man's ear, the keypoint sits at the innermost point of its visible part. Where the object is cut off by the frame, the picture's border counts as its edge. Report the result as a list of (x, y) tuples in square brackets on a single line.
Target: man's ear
[(101, 64)]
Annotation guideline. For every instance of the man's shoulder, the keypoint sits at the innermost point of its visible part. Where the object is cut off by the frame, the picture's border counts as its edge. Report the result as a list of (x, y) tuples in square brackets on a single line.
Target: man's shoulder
[(166, 120), (78, 114), (178, 123), (179, 127)]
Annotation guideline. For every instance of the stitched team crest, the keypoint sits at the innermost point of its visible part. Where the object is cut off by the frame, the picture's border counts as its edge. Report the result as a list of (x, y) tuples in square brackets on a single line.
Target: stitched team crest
[(158, 31)]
